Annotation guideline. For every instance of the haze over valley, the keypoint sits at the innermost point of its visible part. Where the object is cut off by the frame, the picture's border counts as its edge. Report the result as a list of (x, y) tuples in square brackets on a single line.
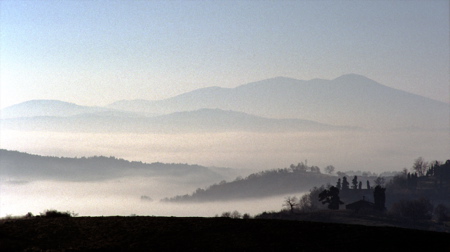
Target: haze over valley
[(350, 122), (194, 108)]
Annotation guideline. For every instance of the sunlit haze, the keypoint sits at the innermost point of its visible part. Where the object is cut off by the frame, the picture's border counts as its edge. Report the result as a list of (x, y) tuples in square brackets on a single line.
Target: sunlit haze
[(108, 107), (98, 52)]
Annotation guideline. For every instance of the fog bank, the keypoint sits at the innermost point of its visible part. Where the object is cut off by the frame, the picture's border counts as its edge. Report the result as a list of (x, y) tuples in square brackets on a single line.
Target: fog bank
[(374, 151), (118, 197)]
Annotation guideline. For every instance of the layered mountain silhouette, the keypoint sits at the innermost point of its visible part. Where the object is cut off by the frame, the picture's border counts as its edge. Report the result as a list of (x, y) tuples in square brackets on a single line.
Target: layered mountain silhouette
[(274, 104), (203, 120), (47, 108), (348, 100)]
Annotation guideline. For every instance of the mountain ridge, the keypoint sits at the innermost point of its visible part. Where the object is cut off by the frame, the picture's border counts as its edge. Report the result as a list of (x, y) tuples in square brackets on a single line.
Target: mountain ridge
[(202, 120), (350, 99), (347, 100)]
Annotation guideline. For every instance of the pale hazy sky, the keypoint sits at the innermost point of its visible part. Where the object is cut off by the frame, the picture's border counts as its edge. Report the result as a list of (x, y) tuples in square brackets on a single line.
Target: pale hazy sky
[(98, 52)]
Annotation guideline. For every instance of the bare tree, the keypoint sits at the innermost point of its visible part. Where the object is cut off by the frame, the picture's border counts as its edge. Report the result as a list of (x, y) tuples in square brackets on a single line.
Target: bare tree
[(420, 166), (290, 203), (329, 169)]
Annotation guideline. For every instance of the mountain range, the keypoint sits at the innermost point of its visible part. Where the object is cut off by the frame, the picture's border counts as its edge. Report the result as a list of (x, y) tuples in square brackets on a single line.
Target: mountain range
[(278, 104), (203, 120)]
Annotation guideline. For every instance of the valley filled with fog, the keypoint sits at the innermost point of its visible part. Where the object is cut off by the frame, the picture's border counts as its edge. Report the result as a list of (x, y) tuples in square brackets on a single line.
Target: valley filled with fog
[(243, 152), (102, 160), (246, 152), (119, 197)]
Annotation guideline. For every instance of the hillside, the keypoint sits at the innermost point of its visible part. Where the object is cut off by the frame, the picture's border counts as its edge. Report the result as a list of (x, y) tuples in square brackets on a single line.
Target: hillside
[(208, 234), (263, 184), (23, 166)]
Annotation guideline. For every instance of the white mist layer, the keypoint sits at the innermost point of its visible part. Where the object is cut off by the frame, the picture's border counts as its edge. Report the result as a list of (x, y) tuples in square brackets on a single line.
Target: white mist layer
[(118, 197), (374, 151)]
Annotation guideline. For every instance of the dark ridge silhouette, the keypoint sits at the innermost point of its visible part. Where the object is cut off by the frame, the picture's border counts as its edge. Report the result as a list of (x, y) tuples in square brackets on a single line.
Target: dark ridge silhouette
[(295, 179), (23, 166)]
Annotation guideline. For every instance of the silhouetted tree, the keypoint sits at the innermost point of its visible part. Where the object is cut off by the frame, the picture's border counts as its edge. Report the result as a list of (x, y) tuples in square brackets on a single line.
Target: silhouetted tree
[(331, 196), (226, 215), (368, 184), (246, 216), (442, 173), (315, 169), (379, 197), (236, 215), (301, 167), (310, 202), (420, 166), (355, 183), (290, 203), (345, 184), (360, 185), (329, 169), (338, 184)]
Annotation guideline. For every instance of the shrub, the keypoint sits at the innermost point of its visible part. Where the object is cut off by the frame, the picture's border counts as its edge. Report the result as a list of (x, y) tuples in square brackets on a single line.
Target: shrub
[(236, 215), (56, 214), (246, 216), (226, 215)]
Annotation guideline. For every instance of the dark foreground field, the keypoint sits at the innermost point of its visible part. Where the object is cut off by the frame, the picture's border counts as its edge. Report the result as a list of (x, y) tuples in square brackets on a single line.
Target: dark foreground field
[(208, 234)]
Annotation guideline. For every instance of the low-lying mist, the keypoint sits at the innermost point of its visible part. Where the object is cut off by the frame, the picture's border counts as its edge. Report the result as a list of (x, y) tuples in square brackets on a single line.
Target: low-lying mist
[(118, 197), (374, 151)]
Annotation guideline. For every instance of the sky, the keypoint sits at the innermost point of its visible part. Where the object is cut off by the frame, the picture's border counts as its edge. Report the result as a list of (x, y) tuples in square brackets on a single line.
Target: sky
[(98, 52)]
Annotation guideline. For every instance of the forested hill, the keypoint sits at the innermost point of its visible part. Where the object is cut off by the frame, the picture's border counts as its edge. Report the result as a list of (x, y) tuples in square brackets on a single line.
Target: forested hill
[(295, 179), (23, 166)]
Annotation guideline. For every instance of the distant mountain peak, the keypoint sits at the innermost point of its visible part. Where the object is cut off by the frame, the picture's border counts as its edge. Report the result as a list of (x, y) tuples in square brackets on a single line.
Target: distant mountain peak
[(44, 102), (34, 108), (352, 77)]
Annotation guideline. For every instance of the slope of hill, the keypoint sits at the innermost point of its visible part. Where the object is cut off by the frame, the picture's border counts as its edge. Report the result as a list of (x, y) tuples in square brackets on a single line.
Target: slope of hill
[(208, 234), (204, 120), (263, 184), (348, 100), (47, 108), (23, 166)]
